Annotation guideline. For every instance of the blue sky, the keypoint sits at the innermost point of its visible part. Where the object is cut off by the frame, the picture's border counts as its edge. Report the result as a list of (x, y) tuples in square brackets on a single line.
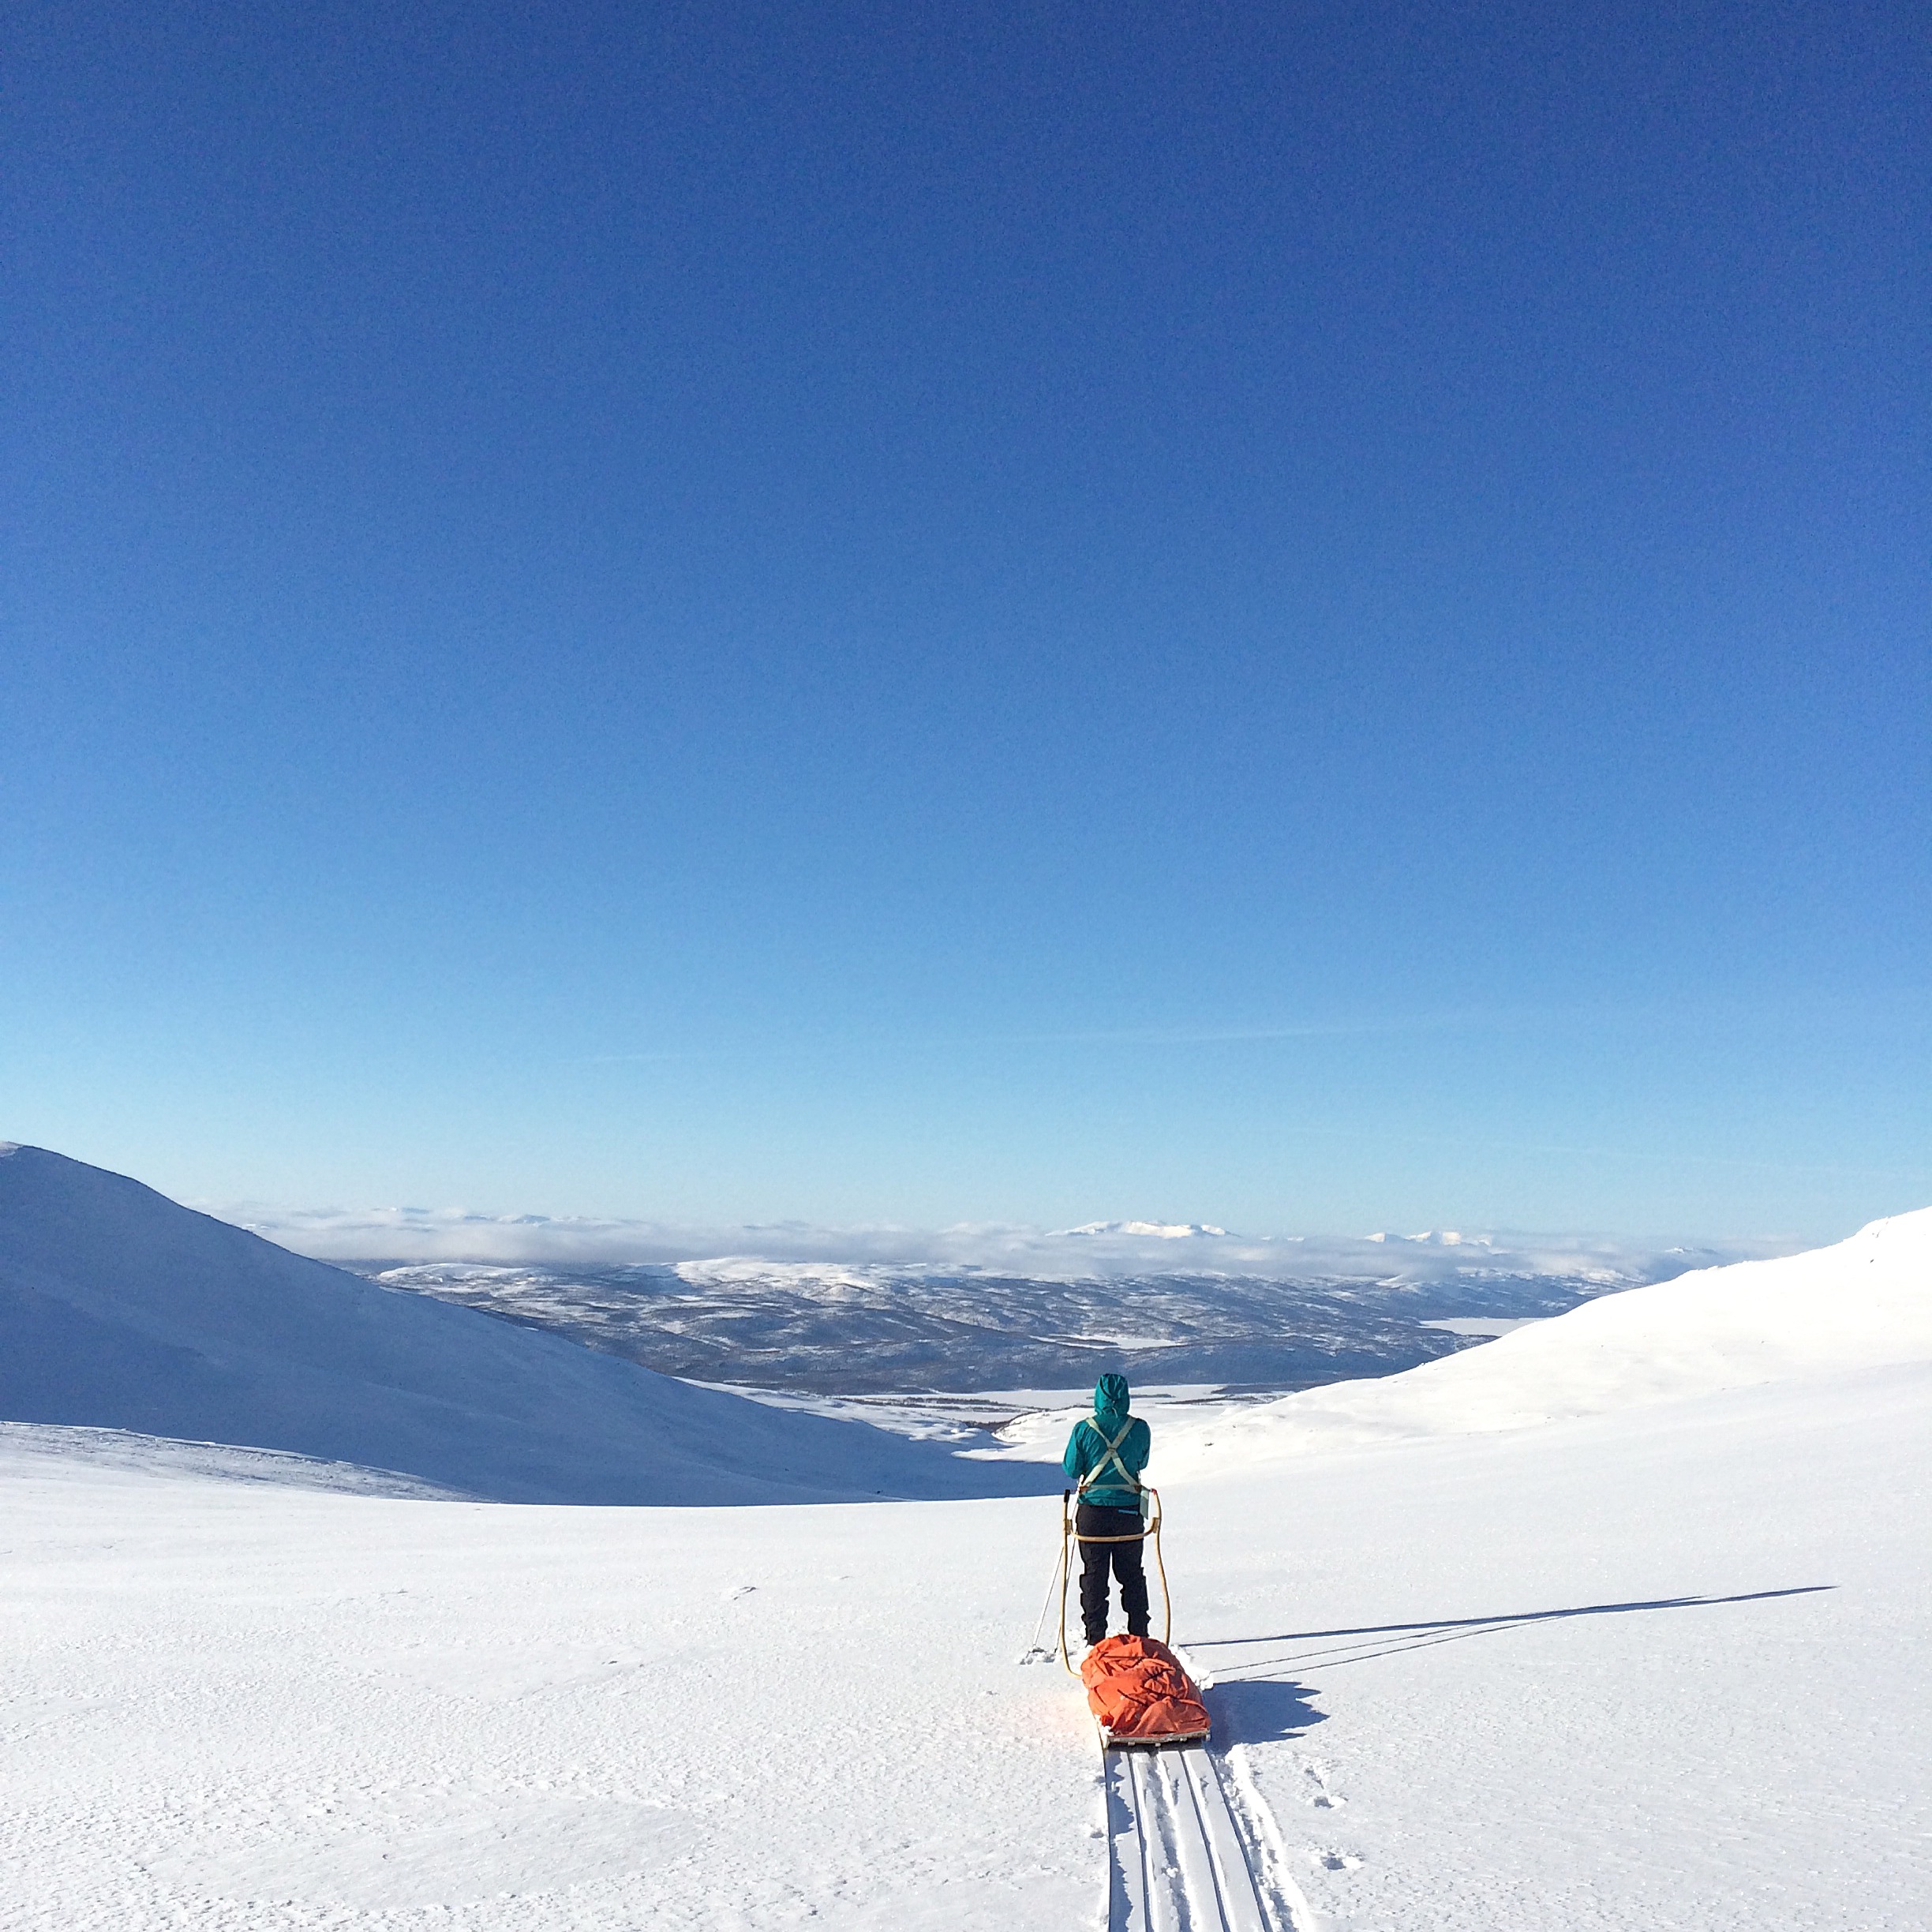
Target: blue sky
[(1304, 617)]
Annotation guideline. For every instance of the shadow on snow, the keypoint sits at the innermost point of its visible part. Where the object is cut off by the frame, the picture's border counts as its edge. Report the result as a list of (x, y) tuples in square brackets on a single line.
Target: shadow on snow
[(1419, 1636), (1261, 1711)]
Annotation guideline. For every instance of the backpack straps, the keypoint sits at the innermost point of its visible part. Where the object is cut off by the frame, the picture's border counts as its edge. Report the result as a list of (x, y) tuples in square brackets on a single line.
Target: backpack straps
[(1110, 1452)]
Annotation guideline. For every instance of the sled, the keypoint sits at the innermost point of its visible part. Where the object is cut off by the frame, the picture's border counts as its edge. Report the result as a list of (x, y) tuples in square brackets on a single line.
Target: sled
[(1140, 1694)]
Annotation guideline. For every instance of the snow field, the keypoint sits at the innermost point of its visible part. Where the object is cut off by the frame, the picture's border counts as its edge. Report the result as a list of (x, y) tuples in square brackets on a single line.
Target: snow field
[(1462, 1718), (231, 1709), (1620, 1621), (1435, 1688)]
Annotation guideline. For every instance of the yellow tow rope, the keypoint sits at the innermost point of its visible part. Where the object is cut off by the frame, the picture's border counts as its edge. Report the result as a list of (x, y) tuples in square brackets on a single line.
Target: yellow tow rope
[(1069, 1536)]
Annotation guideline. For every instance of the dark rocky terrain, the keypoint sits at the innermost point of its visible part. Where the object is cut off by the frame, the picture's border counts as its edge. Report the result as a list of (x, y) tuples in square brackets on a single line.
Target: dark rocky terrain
[(821, 1328)]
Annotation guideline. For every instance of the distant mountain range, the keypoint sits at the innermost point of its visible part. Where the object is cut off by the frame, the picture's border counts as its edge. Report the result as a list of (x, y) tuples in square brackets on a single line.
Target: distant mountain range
[(831, 1329), (1094, 1250), (846, 1311)]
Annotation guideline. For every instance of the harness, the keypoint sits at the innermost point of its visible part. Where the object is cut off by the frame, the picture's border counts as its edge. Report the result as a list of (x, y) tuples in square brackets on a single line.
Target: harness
[(1110, 1452), (1070, 1536)]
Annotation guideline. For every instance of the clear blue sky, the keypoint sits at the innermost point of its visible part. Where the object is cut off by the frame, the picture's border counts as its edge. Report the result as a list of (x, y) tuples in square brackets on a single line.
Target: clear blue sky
[(1304, 616)]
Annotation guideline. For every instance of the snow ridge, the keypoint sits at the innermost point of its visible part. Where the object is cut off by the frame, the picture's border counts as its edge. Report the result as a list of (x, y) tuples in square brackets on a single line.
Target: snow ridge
[(1863, 1304), (121, 1310)]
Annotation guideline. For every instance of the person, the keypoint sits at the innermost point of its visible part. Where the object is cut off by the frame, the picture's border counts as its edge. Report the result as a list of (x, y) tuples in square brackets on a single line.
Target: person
[(1104, 1458)]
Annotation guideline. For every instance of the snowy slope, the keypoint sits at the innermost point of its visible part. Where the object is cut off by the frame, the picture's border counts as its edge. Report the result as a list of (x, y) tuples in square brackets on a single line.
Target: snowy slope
[(1665, 1664), (1668, 1667), (120, 1309), (1866, 1303), (51, 1449)]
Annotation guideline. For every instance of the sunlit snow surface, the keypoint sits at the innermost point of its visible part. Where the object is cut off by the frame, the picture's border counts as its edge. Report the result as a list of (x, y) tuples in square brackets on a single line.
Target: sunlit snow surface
[(1620, 1621)]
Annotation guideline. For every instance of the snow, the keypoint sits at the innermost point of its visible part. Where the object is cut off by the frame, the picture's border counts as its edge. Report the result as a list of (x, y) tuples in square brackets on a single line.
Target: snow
[(1458, 1629), (818, 1328), (1095, 1250), (1486, 1327), (51, 1450), (313, 1709), (1620, 1620), (1152, 1230), (1865, 1303), (120, 1309), (250, 1709)]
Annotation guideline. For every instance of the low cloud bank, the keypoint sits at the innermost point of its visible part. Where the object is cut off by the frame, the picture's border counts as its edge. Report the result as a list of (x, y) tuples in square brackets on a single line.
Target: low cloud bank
[(1098, 1250)]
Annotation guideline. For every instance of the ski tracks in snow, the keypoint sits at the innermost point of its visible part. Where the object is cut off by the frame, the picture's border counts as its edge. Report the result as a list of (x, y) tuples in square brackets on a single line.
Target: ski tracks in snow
[(1183, 1856)]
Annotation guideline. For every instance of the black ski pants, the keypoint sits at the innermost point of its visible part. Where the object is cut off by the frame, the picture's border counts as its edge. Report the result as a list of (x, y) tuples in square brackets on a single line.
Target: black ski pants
[(1123, 1559)]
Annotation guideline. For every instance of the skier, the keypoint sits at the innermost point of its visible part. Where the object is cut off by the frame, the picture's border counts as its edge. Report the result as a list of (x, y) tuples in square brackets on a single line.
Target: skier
[(1104, 1458)]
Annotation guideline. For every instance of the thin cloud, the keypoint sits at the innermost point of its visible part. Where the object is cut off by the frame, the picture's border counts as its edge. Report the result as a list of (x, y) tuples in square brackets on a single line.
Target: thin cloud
[(1886, 1007), (1096, 1250)]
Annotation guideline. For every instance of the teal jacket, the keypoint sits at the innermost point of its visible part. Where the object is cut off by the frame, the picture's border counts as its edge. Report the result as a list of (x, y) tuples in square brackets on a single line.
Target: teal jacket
[(1087, 1450)]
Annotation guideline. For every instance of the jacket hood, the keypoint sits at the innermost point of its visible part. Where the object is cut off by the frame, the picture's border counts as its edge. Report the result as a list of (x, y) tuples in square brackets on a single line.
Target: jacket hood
[(1111, 1399)]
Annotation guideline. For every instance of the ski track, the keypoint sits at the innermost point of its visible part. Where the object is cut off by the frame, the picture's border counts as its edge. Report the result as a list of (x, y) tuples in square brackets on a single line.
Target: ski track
[(1179, 1858)]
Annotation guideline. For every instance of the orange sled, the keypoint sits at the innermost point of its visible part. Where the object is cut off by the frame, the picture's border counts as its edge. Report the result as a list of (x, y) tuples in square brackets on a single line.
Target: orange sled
[(1138, 1690)]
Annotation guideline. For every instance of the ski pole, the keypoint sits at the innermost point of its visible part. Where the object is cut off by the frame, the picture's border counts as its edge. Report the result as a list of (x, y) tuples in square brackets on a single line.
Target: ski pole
[(1039, 1623)]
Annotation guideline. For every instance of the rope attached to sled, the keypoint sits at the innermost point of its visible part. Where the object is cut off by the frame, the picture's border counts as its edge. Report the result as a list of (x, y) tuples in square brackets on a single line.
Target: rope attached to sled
[(1069, 1536)]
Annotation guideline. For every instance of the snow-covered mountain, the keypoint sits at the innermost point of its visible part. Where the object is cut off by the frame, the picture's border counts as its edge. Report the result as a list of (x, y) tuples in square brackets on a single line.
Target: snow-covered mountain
[(1658, 1660), (867, 1311), (1864, 1303), (1093, 1252), (867, 1327), (120, 1309)]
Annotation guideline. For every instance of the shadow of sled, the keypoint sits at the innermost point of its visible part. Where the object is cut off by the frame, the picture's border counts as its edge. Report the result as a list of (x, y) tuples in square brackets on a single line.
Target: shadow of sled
[(1260, 1711)]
